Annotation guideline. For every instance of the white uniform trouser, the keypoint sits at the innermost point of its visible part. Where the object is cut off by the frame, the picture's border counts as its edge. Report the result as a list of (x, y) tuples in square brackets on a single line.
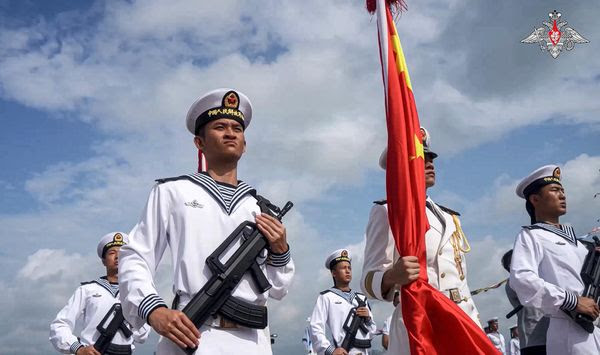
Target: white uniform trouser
[(219, 341), (398, 335), (565, 337)]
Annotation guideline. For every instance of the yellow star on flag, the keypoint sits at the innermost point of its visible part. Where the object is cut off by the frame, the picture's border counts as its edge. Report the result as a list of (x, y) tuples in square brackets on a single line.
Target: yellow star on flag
[(418, 149)]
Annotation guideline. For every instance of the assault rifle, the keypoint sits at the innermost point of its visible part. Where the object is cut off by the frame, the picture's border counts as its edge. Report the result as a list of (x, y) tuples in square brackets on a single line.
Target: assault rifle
[(112, 322), (352, 325), (215, 296), (590, 274)]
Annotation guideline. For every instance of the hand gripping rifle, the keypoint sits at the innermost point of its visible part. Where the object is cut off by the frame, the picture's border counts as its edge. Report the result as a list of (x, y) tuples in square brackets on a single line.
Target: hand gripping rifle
[(215, 296), (112, 322), (352, 325), (590, 274)]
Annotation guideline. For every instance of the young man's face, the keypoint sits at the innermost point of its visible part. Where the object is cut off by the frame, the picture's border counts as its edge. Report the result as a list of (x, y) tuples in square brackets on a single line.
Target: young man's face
[(342, 272), (493, 326), (429, 171), (550, 200), (223, 140), (111, 259)]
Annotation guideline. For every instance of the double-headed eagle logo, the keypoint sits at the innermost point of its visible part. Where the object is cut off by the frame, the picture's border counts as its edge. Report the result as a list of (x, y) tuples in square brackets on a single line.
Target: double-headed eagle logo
[(558, 36)]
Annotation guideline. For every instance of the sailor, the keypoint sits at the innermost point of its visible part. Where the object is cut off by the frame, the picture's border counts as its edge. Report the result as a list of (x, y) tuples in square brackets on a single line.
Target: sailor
[(514, 344), (531, 321), (74, 330), (385, 332), (385, 271), (333, 308), (495, 337), (546, 265), (192, 215)]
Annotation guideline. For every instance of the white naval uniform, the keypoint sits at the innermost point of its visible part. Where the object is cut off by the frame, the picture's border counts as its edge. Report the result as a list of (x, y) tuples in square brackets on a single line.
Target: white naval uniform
[(514, 347), (498, 340), (545, 274), (75, 324), (307, 341), (191, 215), (381, 254), (331, 310)]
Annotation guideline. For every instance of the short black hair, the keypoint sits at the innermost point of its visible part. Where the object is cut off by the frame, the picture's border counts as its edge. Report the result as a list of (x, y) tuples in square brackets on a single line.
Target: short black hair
[(506, 260)]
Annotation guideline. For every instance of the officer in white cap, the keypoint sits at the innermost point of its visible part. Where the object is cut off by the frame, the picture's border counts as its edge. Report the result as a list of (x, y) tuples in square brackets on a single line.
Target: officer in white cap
[(494, 335), (74, 330), (334, 306), (514, 347), (193, 214), (385, 271), (546, 265)]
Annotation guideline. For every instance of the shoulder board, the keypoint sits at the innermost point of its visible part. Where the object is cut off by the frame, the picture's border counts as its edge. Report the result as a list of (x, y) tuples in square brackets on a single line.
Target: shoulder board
[(447, 210), (87, 282), (324, 292), (380, 202), (175, 178)]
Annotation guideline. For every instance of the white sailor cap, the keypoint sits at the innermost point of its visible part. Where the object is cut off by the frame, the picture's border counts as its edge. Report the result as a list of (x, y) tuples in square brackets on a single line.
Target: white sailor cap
[(219, 103), (426, 149), (493, 320), (111, 240), (336, 257), (513, 327), (548, 174)]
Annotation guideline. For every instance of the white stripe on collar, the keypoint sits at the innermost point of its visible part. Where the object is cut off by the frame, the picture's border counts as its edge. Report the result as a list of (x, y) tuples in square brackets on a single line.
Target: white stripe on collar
[(565, 231), (213, 189)]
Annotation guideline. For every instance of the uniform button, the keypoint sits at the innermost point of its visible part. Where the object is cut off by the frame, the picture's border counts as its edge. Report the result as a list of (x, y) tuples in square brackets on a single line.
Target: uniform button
[(443, 275)]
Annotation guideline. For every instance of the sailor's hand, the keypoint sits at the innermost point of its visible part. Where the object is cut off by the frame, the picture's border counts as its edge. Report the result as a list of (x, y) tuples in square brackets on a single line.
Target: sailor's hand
[(362, 312), (340, 351), (87, 350), (587, 306), (405, 271), (174, 325), (274, 231)]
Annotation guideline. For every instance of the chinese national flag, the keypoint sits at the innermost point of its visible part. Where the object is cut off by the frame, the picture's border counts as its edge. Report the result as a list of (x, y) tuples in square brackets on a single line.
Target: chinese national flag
[(435, 324)]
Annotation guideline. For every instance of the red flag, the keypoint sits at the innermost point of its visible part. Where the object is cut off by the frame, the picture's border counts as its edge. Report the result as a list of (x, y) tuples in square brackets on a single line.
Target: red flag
[(435, 324)]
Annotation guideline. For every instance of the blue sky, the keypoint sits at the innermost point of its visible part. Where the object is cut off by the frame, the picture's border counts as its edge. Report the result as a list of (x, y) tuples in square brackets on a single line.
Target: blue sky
[(93, 96)]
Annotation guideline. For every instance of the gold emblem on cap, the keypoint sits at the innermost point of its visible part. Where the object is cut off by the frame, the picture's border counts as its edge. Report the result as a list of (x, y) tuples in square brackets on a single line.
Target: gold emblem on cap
[(344, 253), (231, 100), (556, 173), (118, 237)]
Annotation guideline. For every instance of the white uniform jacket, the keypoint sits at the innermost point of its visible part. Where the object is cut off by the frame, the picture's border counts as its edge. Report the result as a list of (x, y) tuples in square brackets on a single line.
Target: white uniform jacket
[(514, 347), (192, 216), (497, 340), (442, 271), (545, 274), (331, 310), (75, 324)]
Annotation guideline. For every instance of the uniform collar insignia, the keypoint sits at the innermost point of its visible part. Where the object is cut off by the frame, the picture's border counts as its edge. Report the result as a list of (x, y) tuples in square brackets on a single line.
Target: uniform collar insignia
[(102, 281), (348, 296), (565, 231), (210, 185), (194, 204)]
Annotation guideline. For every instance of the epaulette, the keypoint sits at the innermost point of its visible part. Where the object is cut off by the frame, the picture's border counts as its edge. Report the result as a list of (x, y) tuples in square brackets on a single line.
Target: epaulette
[(380, 202), (447, 210), (175, 178), (324, 292), (87, 282)]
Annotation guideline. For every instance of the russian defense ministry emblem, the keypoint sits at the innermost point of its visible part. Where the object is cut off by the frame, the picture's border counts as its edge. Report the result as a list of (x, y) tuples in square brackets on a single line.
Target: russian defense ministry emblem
[(556, 36)]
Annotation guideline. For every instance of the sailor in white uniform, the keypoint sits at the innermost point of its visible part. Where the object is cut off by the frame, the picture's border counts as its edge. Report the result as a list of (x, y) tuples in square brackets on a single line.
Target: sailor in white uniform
[(192, 215), (73, 331), (385, 271), (333, 307), (514, 347), (546, 265), (495, 336)]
